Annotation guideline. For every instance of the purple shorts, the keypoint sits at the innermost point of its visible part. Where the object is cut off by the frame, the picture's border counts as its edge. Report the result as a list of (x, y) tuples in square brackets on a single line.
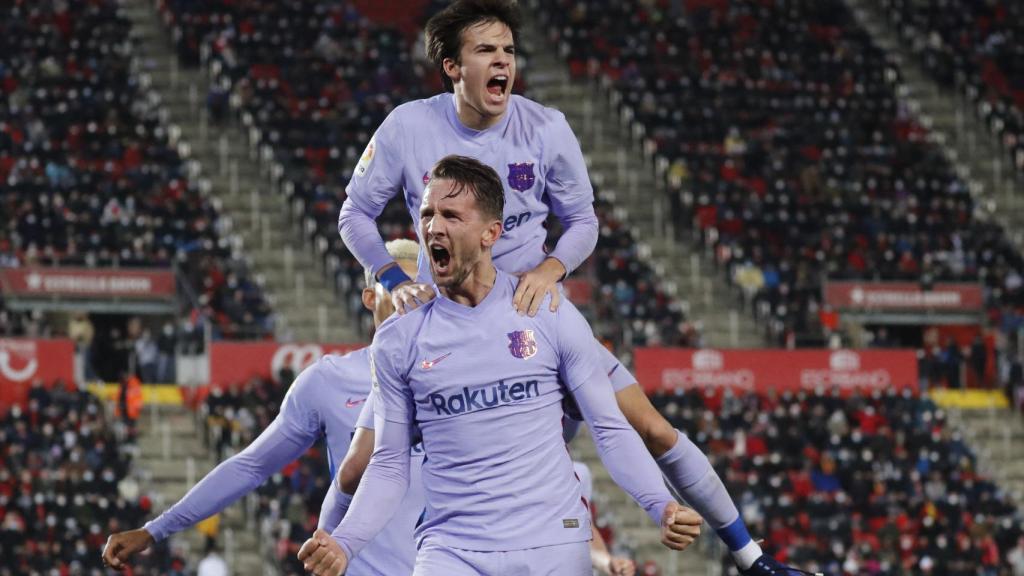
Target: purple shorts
[(571, 559)]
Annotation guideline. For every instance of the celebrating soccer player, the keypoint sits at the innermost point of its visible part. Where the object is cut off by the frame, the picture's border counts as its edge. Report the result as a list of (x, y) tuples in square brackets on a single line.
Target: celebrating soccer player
[(484, 385), (472, 43), (324, 400)]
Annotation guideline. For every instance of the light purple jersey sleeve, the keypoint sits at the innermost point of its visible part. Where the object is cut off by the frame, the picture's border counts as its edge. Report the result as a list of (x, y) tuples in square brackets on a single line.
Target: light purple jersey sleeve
[(387, 476), (617, 373), (366, 415), (376, 179), (294, 430), (568, 189), (619, 446)]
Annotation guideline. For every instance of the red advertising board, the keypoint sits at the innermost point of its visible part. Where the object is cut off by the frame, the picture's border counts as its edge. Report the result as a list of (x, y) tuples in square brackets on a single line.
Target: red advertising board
[(88, 282), (764, 370), (23, 361), (903, 296), (235, 362)]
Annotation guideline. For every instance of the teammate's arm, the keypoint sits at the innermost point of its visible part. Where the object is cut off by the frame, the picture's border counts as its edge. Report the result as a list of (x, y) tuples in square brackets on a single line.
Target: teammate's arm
[(288, 436), (620, 448), (567, 187)]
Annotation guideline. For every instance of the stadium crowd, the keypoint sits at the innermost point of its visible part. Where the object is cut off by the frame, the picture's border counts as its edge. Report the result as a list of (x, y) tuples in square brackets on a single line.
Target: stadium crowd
[(789, 151), (877, 484), (91, 175), (973, 47), (65, 484)]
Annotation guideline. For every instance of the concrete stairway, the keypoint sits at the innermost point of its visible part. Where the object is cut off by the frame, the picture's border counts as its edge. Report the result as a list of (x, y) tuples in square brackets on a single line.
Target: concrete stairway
[(625, 175), (997, 437), (173, 458), (242, 180), (635, 529), (968, 144)]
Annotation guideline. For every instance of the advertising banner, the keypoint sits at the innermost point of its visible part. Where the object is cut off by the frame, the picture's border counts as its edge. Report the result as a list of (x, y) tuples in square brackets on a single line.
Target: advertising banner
[(24, 360), (672, 369), (235, 362), (87, 282), (904, 296)]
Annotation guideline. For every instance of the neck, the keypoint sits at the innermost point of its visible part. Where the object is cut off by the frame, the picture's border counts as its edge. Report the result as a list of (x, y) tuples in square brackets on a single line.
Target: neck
[(475, 287), (472, 118)]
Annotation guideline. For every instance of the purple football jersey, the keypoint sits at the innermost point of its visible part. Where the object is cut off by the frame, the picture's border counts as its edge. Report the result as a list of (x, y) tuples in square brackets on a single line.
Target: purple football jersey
[(485, 386), (532, 149)]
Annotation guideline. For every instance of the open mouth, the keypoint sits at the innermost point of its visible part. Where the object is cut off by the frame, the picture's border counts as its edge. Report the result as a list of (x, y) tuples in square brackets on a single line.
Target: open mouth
[(441, 258), (498, 85)]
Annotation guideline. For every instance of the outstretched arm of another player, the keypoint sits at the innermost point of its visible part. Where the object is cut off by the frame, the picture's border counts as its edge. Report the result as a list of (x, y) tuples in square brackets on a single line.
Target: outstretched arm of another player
[(282, 442)]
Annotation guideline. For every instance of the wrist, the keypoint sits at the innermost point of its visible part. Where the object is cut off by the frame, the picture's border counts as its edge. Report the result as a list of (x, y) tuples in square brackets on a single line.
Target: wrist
[(392, 277), (555, 267)]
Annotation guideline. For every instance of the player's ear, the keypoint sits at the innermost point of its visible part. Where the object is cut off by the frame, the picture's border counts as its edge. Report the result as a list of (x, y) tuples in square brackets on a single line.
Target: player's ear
[(369, 299), (491, 234), (451, 69)]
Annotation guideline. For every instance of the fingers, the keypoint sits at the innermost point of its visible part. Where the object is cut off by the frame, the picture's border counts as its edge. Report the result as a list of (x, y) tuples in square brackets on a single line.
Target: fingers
[(409, 297), (622, 567), (530, 294), (517, 298), (308, 547), (687, 516), (312, 563), (109, 555), (556, 298)]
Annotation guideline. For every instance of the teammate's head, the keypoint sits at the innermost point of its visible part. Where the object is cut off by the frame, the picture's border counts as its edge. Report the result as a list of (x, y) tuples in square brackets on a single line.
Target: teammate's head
[(375, 296), (460, 218), (472, 43)]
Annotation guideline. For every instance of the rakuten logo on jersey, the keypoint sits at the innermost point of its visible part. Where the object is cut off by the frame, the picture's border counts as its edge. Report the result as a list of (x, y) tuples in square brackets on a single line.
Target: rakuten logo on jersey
[(844, 371), (708, 371), (294, 356), (480, 397)]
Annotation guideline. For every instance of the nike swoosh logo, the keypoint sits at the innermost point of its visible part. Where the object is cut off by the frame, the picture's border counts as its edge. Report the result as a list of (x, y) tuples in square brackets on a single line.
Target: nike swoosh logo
[(428, 364), (353, 403)]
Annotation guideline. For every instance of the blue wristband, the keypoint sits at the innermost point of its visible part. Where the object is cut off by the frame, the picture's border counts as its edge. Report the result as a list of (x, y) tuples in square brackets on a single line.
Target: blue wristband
[(392, 277)]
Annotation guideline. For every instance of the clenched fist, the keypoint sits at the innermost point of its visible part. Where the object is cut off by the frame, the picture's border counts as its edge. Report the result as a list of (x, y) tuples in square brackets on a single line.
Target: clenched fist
[(680, 526), (322, 556), (120, 547)]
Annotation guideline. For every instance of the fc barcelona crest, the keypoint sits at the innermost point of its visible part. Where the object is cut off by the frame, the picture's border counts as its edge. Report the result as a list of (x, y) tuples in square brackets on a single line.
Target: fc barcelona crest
[(520, 176), (521, 344)]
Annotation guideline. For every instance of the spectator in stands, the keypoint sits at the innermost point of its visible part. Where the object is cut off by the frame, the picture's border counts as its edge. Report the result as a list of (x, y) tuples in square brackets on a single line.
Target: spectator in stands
[(62, 484)]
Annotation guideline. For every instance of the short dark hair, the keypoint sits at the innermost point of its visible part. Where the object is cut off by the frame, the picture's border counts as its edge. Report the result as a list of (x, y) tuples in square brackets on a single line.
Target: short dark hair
[(480, 179), (443, 33)]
